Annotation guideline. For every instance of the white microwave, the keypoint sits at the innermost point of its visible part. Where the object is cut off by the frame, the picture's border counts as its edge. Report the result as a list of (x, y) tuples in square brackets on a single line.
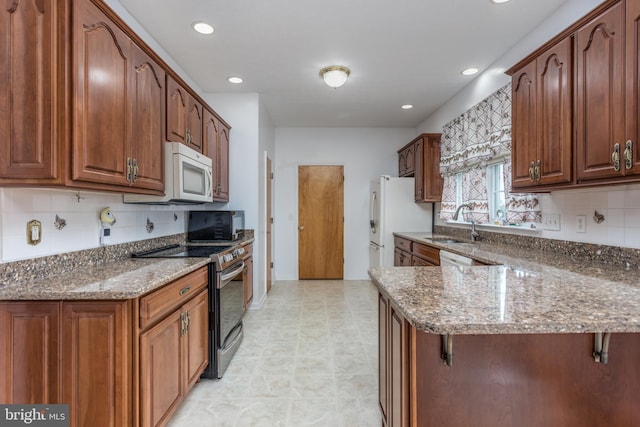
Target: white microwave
[(188, 178)]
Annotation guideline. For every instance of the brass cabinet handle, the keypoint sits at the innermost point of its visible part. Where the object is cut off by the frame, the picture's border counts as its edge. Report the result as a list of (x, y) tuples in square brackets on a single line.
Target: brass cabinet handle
[(128, 169), (187, 318), (537, 170), (183, 329), (185, 290), (187, 136), (628, 155), (135, 170), (615, 157), (531, 172)]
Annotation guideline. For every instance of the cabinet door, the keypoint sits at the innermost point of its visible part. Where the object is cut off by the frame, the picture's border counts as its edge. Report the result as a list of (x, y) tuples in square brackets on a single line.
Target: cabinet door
[(418, 163), (401, 258), (398, 369), (194, 125), (28, 87), (97, 363), (102, 110), (554, 100), (221, 193), (148, 111), (177, 105), (247, 281), (428, 161), (523, 126), (411, 159), (161, 376), (633, 84), (210, 139), (383, 373), (600, 95), (196, 350), (30, 355)]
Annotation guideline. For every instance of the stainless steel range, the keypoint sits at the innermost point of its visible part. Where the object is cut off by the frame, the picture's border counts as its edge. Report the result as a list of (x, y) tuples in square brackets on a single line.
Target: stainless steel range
[(226, 299)]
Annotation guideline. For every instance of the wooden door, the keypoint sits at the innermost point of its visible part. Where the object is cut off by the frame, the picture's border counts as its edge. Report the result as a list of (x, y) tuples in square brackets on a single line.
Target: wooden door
[(633, 85), (148, 111), (102, 110), (28, 87), (524, 126), (196, 339), (177, 104), (600, 95), (30, 355), (554, 100), (161, 376), (269, 208), (97, 363), (320, 222)]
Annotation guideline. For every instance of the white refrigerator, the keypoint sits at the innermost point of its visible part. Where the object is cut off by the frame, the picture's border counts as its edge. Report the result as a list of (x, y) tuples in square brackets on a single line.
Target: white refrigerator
[(393, 209)]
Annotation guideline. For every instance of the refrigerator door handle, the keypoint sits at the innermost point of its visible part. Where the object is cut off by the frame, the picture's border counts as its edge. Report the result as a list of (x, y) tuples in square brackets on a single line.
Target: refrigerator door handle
[(372, 219)]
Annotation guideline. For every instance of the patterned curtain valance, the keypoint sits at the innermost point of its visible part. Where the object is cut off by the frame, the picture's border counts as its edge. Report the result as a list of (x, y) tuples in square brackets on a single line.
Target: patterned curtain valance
[(480, 134)]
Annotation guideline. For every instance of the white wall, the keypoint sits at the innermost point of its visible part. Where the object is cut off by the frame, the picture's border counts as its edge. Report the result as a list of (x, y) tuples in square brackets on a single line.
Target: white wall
[(365, 154), (266, 149), (619, 204)]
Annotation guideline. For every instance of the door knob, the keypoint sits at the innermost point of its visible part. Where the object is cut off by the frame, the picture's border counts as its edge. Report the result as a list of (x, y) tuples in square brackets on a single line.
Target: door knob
[(301, 228)]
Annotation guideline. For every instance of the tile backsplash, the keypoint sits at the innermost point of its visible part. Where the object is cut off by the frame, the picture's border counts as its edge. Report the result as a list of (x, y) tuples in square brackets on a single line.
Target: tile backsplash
[(80, 211)]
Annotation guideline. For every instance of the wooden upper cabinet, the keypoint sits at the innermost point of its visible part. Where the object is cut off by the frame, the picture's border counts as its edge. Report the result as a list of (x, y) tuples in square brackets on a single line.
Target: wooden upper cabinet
[(632, 106), (600, 125), (216, 146), (429, 182), (102, 111), (184, 116), (406, 160), (541, 119), (29, 84), (148, 109)]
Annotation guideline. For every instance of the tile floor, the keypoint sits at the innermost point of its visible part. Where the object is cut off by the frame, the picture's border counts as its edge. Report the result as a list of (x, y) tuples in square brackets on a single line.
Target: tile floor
[(309, 358)]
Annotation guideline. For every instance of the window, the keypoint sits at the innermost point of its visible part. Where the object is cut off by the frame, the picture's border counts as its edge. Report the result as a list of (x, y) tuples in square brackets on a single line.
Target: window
[(496, 193)]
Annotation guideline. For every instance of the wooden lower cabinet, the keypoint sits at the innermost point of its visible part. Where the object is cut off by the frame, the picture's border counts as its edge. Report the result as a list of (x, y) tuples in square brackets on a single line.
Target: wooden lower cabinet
[(394, 365), (97, 362), (30, 363), (401, 258), (114, 364), (408, 253)]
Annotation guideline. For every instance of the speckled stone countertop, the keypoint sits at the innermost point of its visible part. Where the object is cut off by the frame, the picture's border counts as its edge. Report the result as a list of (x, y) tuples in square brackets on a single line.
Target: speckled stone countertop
[(530, 292), (125, 279)]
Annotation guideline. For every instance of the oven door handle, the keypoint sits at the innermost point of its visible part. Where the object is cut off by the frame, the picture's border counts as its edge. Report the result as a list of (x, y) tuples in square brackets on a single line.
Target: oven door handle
[(225, 278)]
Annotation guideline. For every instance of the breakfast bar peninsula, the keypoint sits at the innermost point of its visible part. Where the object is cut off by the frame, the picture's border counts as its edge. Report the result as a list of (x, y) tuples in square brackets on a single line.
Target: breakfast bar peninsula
[(507, 346)]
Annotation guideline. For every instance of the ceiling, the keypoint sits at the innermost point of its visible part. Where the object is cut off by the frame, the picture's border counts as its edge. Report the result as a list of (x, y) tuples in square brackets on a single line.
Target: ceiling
[(399, 52)]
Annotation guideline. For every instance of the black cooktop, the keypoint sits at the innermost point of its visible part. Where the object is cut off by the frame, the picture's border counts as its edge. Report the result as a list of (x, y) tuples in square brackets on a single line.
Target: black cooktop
[(181, 251)]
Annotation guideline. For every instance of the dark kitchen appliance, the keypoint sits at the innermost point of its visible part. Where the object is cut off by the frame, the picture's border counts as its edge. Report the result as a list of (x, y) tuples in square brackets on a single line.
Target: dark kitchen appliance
[(208, 226), (226, 299)]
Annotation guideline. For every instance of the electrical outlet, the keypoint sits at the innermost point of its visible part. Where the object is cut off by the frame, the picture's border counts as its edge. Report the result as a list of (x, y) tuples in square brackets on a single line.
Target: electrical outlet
[(551, 222), (34, 232), (581, 223)]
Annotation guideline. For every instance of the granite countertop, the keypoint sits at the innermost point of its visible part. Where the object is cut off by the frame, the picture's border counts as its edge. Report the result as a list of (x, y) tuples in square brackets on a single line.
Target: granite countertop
[(124, 279), (530, 292)]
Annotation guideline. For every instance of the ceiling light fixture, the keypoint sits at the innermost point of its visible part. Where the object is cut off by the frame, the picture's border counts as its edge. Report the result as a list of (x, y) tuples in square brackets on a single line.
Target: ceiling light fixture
[(469, 71), (407, 106), (235, 80), (202, 27), (335, 75), (499, 1)]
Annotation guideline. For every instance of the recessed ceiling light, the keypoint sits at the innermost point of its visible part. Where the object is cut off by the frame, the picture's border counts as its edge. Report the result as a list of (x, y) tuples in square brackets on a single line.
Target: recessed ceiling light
[(407, 106), (499, 1), (234, 80), (202, 27), (469, 71)]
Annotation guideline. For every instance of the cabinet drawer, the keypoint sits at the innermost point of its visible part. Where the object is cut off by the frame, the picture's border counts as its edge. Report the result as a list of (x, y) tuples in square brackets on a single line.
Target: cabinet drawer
[(403, 244), (160, 302), (421, 262), (427, 253)]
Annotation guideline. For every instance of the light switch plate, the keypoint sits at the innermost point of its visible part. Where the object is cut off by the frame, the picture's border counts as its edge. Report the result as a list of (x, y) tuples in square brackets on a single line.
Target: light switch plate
[(581, 223), (551, 222)]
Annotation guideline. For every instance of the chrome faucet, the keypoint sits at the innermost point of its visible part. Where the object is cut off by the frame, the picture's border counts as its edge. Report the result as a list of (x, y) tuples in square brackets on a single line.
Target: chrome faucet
[(474, 234)]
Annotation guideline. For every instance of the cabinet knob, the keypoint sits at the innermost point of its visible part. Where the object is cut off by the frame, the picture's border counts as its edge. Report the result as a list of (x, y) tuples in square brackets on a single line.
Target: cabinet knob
[(537, 168), (128, 169), (135, 170), (301, 228), (532, 175), (615, 157)]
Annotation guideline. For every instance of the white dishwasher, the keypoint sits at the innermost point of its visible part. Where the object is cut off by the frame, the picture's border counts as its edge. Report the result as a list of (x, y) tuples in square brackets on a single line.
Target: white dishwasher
[(449, 258)]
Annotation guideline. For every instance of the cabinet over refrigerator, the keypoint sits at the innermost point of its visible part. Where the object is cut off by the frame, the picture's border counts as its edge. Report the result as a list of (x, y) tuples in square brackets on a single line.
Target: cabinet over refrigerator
[(393, 209)]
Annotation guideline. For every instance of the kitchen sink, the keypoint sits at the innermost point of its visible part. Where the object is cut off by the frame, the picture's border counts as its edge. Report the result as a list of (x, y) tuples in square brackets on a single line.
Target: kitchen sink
[(444, 240)]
